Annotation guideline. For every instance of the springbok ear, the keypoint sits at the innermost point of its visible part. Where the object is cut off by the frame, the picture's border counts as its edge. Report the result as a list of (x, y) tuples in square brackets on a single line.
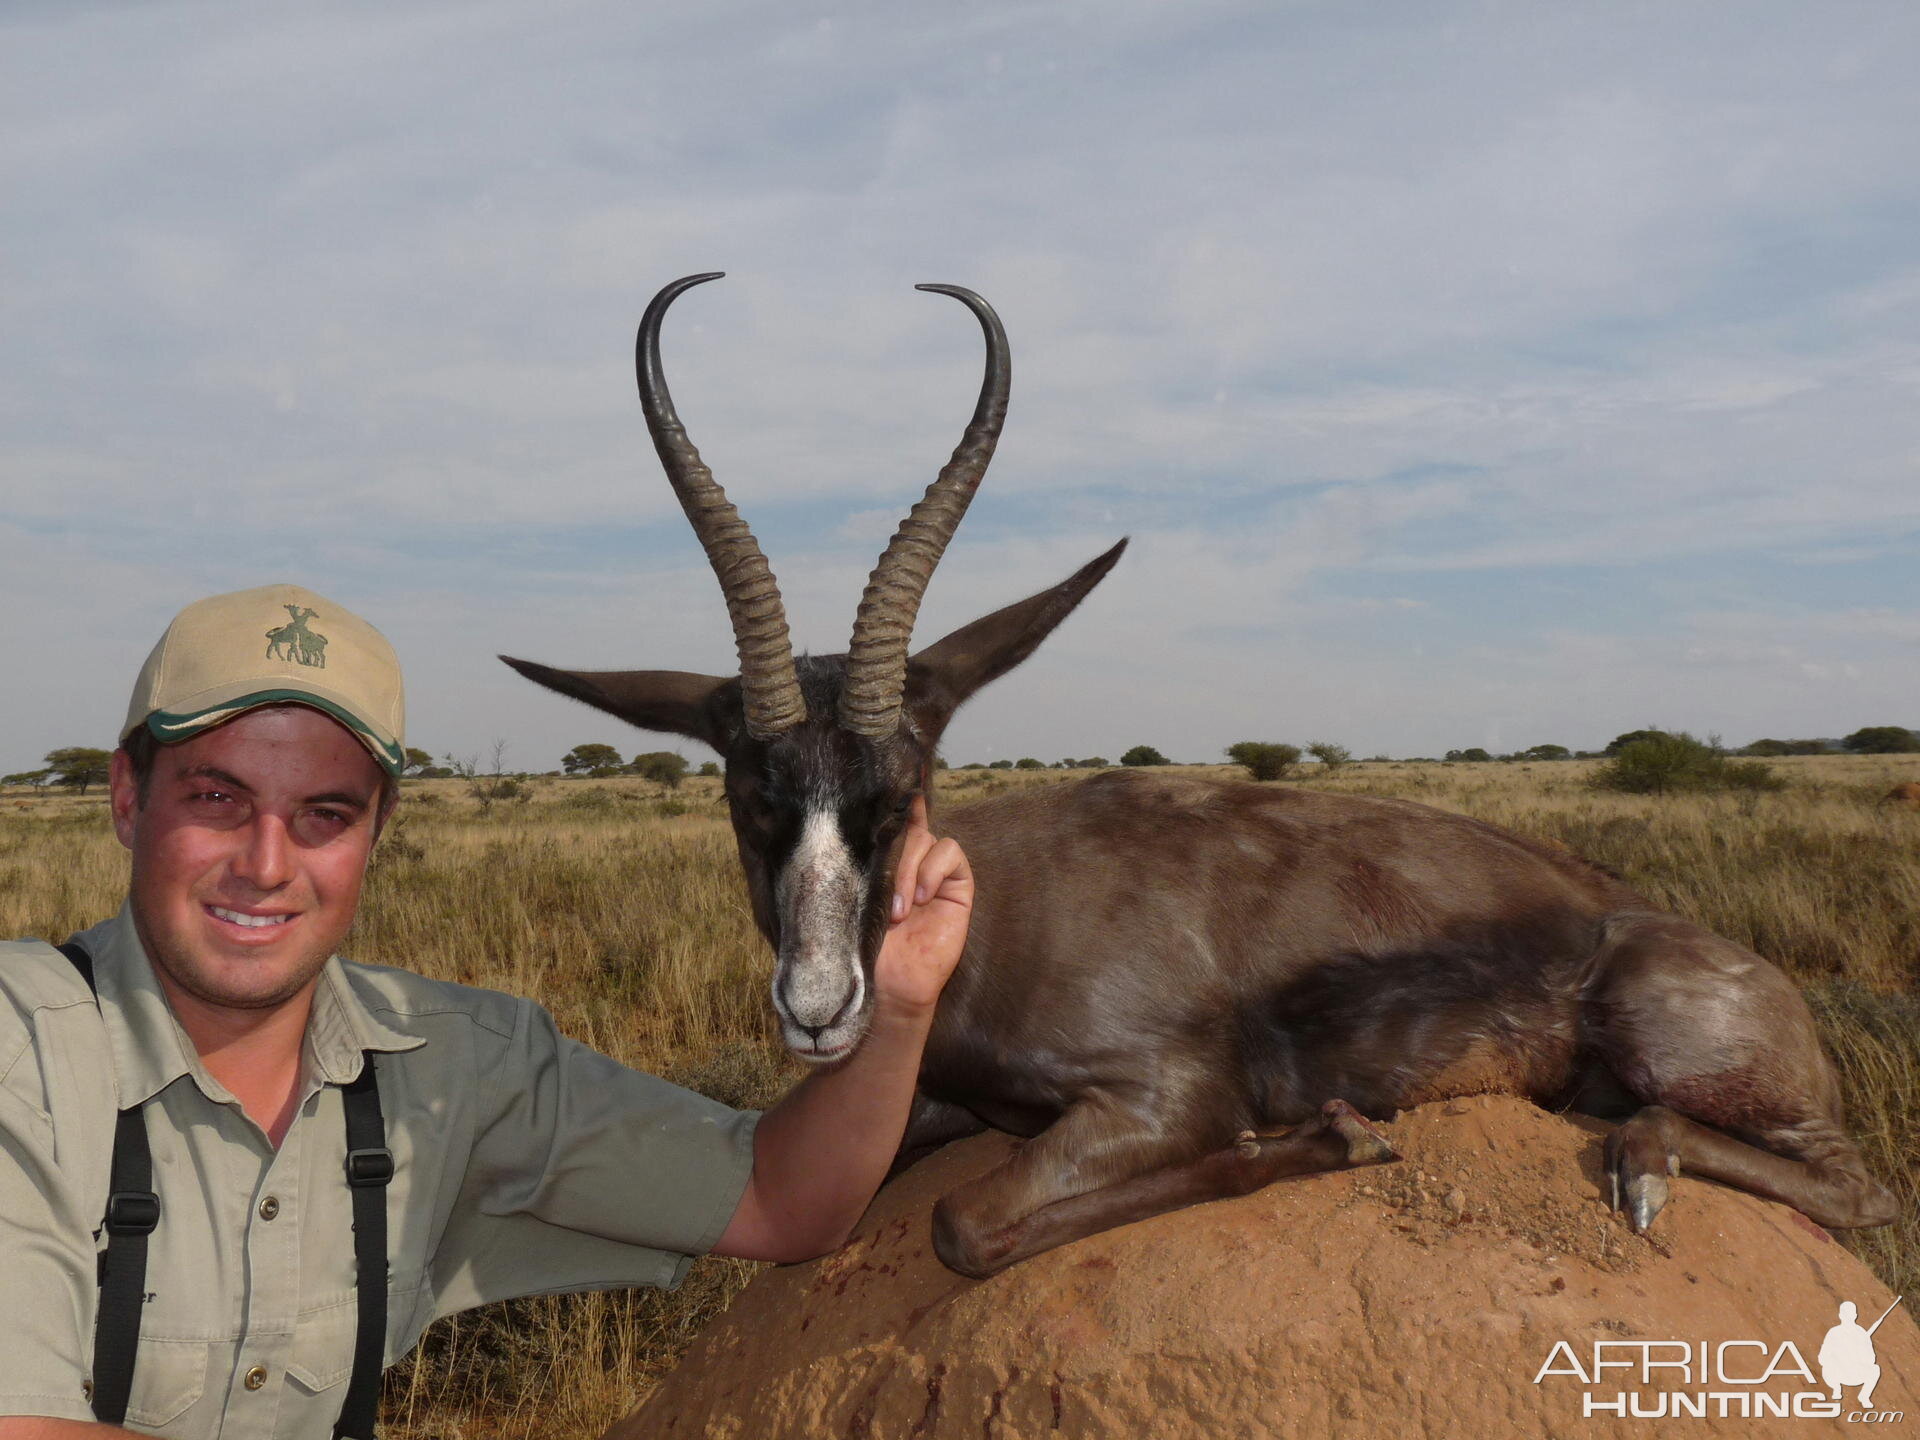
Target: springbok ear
[(945, 675), (701, 707)]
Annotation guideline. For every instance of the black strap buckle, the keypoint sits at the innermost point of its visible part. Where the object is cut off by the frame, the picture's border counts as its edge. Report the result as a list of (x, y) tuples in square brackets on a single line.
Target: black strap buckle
[(132, 1212), (369, 1167)]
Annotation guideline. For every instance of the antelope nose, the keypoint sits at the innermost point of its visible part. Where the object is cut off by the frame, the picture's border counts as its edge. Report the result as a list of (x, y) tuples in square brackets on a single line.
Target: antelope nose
[(814, 1032), (814, 1007)]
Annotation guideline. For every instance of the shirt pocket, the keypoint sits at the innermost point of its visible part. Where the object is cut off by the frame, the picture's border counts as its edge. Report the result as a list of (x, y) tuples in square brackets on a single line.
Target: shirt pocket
[(168, 1376), (323, 1340)]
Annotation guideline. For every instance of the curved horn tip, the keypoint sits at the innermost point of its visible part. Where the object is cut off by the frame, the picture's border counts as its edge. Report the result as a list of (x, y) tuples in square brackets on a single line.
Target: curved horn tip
[(674, 289)]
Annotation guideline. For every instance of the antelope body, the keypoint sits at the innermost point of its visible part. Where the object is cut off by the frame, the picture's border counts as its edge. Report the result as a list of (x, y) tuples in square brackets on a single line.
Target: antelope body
[(1184, 989)]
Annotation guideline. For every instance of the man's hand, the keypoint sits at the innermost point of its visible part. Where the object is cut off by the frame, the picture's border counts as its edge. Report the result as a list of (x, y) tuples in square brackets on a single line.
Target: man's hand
[(927, 928)]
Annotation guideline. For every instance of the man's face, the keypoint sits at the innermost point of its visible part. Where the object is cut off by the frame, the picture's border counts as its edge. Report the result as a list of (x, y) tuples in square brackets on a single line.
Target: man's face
[(248, 852)]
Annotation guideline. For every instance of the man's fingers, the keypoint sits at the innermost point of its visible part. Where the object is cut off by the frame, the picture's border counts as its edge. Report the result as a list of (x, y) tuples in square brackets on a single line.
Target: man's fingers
[(945, 872), (915, 843)]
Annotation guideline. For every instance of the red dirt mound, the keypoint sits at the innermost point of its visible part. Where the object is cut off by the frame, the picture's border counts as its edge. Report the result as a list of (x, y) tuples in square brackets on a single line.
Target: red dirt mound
[(1422, 1299)]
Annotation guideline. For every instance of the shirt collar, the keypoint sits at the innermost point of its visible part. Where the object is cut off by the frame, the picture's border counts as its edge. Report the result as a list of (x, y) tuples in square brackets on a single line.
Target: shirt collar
[(151, 1050)]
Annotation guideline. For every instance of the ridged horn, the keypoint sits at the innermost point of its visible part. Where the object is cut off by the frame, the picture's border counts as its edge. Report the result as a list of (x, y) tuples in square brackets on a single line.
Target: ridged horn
[(769, 685), (877, 655)]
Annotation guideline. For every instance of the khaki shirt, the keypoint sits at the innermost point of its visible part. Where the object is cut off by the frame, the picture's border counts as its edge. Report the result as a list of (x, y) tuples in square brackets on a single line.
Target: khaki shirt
[(526, 1164)]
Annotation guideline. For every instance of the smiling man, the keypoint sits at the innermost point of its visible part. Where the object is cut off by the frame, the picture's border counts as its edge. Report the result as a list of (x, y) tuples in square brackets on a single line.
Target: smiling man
[(239, 1175)]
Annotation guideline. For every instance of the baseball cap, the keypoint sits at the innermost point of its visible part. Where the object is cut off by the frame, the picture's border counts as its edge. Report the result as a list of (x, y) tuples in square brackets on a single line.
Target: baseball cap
[(271, 646)]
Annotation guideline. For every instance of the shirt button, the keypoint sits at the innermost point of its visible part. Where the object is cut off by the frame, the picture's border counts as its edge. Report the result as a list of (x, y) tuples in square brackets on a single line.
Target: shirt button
[(269, 1208), (255, 1378)]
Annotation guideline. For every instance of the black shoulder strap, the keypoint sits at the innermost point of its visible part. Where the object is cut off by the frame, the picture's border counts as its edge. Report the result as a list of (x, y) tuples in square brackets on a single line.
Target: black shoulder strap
[(83, 962), (133, 1213), (369, 1171)]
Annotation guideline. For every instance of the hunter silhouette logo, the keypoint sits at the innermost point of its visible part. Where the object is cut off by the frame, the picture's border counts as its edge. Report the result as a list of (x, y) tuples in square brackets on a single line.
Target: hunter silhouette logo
[(1730, 1379), (294, 641)]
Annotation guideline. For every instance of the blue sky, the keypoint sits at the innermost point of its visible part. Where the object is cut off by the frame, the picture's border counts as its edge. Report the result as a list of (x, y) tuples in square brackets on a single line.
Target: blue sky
[(1476, 374)]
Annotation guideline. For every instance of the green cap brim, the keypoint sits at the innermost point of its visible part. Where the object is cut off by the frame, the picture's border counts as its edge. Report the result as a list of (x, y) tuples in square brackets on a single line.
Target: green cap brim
[(169, 728)]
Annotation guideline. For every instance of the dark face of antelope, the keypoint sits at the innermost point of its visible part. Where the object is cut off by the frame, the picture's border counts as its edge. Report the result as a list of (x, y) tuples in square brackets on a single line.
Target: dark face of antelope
[(825, 755), (816, 814)]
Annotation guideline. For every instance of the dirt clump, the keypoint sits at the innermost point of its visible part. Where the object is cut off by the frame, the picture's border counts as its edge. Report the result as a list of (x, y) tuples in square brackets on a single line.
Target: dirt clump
[(1466, 1291)]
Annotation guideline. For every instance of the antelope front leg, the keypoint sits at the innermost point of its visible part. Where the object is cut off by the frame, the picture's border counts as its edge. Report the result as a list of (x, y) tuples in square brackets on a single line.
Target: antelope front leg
[(1089, 1172), (930, 1124)]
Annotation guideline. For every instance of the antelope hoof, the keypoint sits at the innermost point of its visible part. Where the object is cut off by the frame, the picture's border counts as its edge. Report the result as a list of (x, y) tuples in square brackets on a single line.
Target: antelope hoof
[(1646, 1197), (1365, 1145)]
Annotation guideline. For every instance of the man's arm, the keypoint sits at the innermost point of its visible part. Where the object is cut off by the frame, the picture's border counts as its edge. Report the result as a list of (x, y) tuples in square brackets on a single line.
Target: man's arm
[(821, 1153), (38, 1427)]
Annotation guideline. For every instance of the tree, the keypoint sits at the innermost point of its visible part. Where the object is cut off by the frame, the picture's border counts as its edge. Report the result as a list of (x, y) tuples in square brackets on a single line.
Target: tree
[(1330, 755), (1787, 747), (664, 766), (1883, 740), (1620, 742), (78, 766), (1472, 753), (1546, 752), (1264, 759), (1144, 755), (417, 761), (590, 760), (1662, 764), (710, 768), (1092, 762), (27, 777), (1027, 762), (1000, 765)]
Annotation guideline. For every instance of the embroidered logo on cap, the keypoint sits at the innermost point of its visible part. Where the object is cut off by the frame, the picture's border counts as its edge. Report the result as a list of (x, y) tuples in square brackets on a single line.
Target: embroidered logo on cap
[(294, 641)]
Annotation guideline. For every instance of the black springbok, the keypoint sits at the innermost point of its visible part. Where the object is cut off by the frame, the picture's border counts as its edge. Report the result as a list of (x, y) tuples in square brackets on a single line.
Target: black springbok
[(1161, 970)]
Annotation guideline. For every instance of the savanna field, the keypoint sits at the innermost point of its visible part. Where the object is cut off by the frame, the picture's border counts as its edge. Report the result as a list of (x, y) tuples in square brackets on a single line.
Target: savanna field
[(618, 904)]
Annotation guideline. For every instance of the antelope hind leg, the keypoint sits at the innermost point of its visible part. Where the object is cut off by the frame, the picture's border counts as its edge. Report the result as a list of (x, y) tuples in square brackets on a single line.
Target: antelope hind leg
[(1722, 1051), (1011, 1214)]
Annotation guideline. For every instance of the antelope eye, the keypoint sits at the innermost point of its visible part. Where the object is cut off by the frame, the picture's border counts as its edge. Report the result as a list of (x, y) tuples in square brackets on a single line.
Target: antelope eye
[(903, 805)]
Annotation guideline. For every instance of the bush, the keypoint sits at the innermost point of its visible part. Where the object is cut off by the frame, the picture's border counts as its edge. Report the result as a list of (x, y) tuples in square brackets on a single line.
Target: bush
[(1664, 764), (1144, 755), (1875, 740), (1473, 753), (1265, 760), (1027, 762), (710, 768), (1330, 756), (1620, 742), (662, 766)]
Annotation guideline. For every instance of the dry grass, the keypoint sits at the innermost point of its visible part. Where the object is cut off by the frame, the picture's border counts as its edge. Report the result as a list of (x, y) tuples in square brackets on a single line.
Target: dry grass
[(618, 905)]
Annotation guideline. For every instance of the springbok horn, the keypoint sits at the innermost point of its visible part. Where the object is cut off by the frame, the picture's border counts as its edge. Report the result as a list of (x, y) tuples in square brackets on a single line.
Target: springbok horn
[(877, 656), (768, 683)]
